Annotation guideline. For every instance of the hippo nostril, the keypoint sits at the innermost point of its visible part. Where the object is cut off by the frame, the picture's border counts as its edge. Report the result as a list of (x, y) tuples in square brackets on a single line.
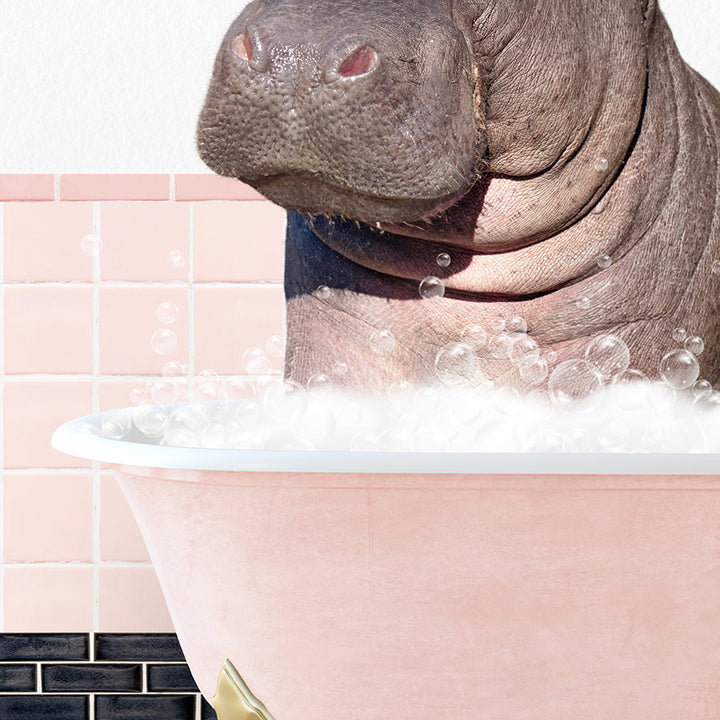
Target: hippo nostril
[(241, 47), (359, 62)]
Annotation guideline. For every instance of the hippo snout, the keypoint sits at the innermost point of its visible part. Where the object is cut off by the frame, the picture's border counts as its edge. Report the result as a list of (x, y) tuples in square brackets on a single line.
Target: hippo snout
[(329, 107)]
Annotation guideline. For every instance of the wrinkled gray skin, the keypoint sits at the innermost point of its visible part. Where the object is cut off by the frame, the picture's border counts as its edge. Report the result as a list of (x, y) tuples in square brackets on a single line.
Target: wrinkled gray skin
[(475, 129)]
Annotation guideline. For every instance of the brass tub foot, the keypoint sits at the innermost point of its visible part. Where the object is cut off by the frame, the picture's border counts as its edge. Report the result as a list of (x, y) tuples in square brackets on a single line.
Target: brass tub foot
[(233, 700)]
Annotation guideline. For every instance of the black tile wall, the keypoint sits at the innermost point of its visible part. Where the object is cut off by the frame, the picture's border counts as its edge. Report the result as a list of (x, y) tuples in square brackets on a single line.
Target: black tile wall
[(108, 676)]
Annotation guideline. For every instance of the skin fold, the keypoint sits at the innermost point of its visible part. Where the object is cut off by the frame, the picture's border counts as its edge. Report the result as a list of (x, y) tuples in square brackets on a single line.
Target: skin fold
[(524, 138)]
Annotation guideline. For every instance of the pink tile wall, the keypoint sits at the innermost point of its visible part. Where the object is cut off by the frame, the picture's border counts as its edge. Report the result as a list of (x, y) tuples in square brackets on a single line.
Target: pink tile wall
[(86, 261)]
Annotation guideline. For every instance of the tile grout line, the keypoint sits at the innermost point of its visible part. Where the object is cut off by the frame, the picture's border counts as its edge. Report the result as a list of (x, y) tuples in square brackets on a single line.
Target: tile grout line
[(2, 413), (56, 187), (191, 293), (97, 230)]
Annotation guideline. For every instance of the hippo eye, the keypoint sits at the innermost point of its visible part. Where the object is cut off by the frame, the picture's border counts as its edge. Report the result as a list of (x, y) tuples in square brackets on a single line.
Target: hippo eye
[(241, 46), (361, 61)]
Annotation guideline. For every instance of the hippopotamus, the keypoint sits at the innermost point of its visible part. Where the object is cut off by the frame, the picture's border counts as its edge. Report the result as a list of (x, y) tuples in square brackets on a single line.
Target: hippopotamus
[(458, 169)]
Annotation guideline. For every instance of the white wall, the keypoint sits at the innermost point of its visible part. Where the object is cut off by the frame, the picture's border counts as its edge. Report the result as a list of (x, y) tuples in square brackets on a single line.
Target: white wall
[(101, 86)]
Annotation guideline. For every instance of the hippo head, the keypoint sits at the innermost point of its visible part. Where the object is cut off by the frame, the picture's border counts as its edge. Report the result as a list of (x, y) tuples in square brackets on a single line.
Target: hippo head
[(363, 110)]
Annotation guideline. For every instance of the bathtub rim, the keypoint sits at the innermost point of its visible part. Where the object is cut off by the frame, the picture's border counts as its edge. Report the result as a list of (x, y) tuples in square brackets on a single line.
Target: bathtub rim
[(73, 438)]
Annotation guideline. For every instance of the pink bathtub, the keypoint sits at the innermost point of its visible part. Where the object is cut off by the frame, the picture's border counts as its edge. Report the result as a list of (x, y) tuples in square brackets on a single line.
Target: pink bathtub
[(414, 586)]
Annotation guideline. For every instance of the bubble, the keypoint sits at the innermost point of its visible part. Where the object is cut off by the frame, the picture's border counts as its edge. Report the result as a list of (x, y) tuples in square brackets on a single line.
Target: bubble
[(365, 441), (633, 387), (163, 391), (150, 420), (715, 268), (524, 351), (238, 387), (138, 396), (194, 416), (319, 381), (396, 439), (579, 440), (608, 355), (679, 335), (173, 368), (247, 441), (571, 382), (177, 259), (322, 292), (613, 436), (534, 372), (443, 259), (432, 287), (516, 324), (285, 399), (207, 384), (695, 345), (181, 437), (90, 245), (551, 357), (474, 336), (340, 369), (707, 405), (275, 346), (115, 425), (497, 324), (382, 342), (213, 435), (255, 361), (601, 164), (455, 363), (167, 313), (583, 303), (702, 389), (500, 346), (399, 391), (603, 261), (679, 369), (163, 341)]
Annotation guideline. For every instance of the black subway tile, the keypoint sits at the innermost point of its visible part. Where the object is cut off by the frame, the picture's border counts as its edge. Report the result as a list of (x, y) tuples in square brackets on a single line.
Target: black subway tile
[(18, 678), (170, 677), (44, 646), (92, 678), (207, 712), (136, 646), (144, 707), (43, 707)]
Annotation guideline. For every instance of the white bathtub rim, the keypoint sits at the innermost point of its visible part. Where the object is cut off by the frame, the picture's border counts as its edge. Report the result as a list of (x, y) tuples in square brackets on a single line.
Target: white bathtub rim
[(73, 438)]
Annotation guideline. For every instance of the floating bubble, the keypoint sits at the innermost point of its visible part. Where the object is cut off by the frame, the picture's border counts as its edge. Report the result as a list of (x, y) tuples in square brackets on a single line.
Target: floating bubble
[(340, 369), (238, 387), (90, 245), (702, 389), (255, 361), (679, 369), (551, 357), (432, 287), (534, 372), (603, 261), (679, 335), (400, 390), (443, 260), (601, 164), (177, 259), (500, 346), (322, 292), (285, 399), (715, 267), (167, 313), (115, 425), (579, 440), (455, 363), (496, 324), (608, 355), (138, 396), (474, 336), (150, 420), (163, 341), (572, 382), (382, 342), (207, 384), (181, 437), (319, 381), (695, 345), (516, 324), (194, 416), (275, 346), (613, 436), (213, 435), (707, 405), (173, 368), (583, 303), (163, 391), (633, 387), (524, 351)]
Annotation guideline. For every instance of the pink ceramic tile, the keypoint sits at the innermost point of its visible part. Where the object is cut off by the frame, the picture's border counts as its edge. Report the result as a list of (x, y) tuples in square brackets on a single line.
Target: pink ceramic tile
[(117, 393), (43, 241), (48, 517), (128, 324), (48, 599), (131, 601), (120, 537), (229, 320), (212, 187), (32, 411), (27, 187), (138, 239), (115, 187), (48, 329), (239, 241)]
